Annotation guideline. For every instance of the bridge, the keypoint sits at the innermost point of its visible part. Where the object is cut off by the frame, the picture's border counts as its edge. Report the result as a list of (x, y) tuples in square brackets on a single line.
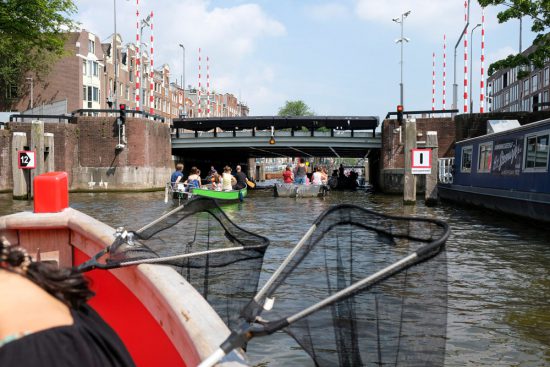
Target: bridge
[(241, 138)]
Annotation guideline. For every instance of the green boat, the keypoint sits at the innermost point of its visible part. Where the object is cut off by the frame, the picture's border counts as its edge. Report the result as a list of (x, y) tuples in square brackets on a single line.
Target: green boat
[(221, 195)]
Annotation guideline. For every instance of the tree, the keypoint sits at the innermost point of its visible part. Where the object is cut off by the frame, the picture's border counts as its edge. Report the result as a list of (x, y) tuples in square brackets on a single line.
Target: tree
[(539, 11), (32, 38), (295, 108)]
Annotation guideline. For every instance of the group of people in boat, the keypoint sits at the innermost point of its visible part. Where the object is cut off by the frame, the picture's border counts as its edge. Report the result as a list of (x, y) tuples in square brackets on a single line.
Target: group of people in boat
[(300, 176), (226, 181)]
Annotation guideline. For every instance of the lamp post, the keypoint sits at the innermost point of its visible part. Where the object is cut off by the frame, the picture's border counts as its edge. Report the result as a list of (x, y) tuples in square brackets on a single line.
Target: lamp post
[(401, 40), (471, 58), (115, 56), (183, 77), (144, 23)]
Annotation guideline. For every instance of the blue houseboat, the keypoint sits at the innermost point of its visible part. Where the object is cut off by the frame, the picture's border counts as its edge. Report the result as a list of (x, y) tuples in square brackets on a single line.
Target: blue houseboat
[(505, 171)]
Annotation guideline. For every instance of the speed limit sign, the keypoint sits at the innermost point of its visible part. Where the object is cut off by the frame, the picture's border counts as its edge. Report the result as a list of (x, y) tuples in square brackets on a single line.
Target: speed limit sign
[(26, 159)]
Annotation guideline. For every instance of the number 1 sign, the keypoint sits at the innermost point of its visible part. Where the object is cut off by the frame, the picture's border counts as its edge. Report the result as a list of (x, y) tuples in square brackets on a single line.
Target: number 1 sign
[(26, 159)]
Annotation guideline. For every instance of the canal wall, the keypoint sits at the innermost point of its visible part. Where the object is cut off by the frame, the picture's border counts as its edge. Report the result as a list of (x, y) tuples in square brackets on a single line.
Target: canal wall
[(86, 149), (392, 150)]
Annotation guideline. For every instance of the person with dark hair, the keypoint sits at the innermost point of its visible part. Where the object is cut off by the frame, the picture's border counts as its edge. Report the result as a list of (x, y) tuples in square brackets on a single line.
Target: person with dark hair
[(45, 319), (241, 179), (300, 173), (288, 177), (193, 180)]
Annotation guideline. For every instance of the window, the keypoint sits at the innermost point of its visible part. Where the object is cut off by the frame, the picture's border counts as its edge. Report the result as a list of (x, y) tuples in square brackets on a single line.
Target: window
[(485, 157), (546, 76), (84, 68), (91, 46), (526, 87), (536, 152), (534, 83), (89, 96), (466, 161), (96, 68), (96, 94)]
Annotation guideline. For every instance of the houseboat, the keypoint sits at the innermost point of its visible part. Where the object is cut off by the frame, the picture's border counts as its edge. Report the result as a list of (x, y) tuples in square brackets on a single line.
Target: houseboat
[(505, 171), (160, 317)]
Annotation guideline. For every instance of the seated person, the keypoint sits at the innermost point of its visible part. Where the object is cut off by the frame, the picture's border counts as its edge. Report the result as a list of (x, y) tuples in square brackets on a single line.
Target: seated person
[(317, 177), (45, 319), (177, 175), (288, 176), (228, 179), (241, 179), (194, 180)]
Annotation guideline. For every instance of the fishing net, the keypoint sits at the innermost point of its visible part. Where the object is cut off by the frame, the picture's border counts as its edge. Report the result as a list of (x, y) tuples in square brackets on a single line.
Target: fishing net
[(219, 258), (357, 291)]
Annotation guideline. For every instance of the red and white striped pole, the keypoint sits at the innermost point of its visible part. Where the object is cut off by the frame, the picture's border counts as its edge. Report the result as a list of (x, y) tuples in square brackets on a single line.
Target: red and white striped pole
[(151, 74), (444, 71), (200, 87), (482, 79), (466, 57), (433, 81), (207, 86), (138, 57)]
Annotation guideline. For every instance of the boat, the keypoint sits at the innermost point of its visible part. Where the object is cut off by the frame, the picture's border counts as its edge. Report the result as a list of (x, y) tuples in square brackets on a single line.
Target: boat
[(221, 195), (506, 171), (178, 193), (291, 190), (160, 317)]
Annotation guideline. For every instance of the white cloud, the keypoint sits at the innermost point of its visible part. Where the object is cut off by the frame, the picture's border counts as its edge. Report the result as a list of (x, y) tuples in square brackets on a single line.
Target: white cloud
[(500, 54), (328, 11)]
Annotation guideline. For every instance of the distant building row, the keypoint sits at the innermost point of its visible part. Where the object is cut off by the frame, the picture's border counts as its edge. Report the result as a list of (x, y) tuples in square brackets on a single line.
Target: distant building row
[(85, 79), (508, 94)]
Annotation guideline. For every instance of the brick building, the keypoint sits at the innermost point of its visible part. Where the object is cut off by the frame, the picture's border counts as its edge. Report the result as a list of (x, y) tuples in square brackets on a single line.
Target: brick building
[(508, 94), (85, 79)]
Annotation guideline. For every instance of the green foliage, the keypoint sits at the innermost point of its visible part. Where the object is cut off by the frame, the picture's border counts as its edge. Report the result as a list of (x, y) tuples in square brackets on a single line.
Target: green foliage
[(539, 11), (295, 108), (32, 37)]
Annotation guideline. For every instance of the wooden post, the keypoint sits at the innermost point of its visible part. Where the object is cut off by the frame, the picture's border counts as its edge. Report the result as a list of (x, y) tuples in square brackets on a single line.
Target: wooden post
[(37, 144), (366, 170), (251, 168), (430, 196), (19, 141), (49, 153), (409, 180)]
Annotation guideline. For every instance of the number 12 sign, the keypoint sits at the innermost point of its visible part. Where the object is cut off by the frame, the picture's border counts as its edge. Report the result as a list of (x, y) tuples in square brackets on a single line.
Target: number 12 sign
[(26, 159)]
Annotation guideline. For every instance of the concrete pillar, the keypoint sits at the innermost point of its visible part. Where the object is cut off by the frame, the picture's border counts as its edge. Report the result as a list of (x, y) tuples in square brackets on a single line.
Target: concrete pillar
[(49, 153), (20, 176), (252, 168), (261, 175), (366, 170), (409, 180), (430, 195), (37, 144)]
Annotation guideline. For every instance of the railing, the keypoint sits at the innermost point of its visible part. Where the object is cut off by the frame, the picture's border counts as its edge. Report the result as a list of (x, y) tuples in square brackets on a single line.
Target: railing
[(266, 133), (446, 170), (112, 113), (46, 118)]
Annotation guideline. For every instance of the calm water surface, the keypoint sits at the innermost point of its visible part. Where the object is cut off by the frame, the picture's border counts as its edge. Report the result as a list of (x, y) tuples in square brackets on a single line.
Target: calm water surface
[(499, 269)]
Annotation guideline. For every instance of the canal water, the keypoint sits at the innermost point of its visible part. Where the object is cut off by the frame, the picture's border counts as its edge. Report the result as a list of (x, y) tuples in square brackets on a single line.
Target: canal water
[(498, 268)]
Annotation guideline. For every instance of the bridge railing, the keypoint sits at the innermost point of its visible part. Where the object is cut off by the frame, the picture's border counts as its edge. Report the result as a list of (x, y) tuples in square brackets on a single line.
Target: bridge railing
[(250, 133)]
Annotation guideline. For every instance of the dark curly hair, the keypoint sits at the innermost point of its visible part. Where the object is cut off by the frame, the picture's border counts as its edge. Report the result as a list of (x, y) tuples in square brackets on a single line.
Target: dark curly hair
[(65, 284)]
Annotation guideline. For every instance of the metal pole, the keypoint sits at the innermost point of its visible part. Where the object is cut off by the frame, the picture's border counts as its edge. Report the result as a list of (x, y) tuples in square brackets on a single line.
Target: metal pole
[(401, 84), (520, 31), (455, 86), (471, 58), (183, 75), (115, 55)]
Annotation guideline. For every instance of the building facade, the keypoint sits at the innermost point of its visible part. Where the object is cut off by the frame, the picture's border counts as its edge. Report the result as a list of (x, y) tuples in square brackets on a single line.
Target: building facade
[(506, 93), (85, 79)]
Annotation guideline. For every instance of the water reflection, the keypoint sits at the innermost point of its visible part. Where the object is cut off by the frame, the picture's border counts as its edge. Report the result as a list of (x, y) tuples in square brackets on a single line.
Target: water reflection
[(498, 268)]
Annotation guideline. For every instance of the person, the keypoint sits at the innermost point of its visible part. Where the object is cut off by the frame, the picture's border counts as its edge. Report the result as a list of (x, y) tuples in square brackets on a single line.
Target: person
[(324, 175), (194, 179), (177, 175), (288, 177), (317, 177), (341, 173), (301, 172), (240, 178), (45, 319), (227, 179), (212, 172)]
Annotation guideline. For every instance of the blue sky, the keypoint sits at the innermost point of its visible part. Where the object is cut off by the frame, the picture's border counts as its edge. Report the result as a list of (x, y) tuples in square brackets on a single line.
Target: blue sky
[(339, 57)]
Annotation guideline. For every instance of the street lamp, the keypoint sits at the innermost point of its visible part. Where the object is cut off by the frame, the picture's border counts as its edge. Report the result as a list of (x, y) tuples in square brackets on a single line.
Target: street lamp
[(471, 58), (183, 77), (144, 23), (32, 91), (401, 40)]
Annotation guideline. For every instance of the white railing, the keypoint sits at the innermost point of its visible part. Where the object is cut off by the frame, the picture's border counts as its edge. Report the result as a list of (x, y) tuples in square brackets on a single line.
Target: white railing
[(446, 170)]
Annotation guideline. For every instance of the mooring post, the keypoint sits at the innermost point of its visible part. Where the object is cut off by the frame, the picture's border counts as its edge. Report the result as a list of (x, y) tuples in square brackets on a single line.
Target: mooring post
[(251, 168), (37, 144), (409, 180), (430, 196), (19, 142), (49, 153)]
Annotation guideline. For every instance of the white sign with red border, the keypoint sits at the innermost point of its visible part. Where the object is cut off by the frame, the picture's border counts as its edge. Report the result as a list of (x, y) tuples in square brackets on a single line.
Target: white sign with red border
[(26, 159), (421, 161)]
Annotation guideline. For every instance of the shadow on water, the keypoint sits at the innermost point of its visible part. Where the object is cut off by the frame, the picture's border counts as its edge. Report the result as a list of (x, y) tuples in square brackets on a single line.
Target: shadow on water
[(498, 268)]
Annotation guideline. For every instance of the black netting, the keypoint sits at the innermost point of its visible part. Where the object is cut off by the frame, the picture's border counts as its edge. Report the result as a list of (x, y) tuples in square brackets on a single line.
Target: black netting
[(399, 319), (227, 279)]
